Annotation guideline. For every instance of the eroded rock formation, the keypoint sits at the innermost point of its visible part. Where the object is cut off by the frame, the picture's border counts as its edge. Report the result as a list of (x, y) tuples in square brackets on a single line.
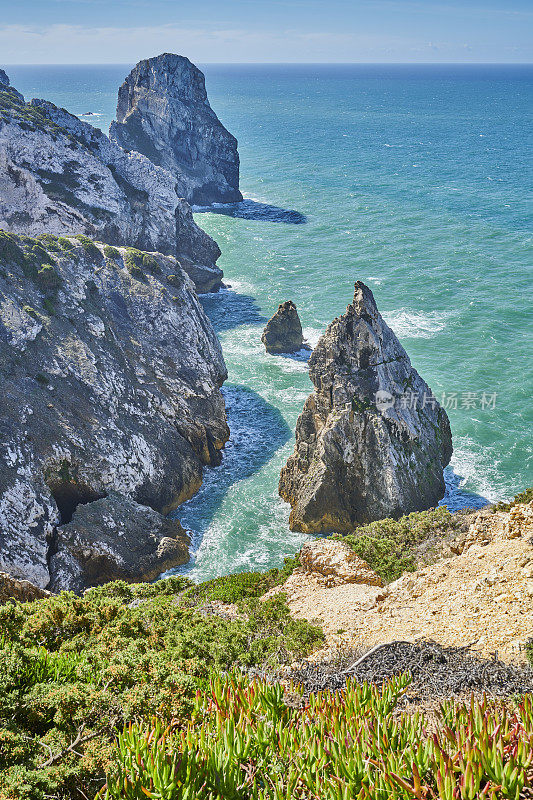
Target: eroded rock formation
[(23, 591), (163, 112), (110, 374), (372, 440), (115, 539), (60, 175), (283, 331)]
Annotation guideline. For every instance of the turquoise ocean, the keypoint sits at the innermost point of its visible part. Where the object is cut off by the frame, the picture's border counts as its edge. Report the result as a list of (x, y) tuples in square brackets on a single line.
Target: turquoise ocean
[(416, 180)]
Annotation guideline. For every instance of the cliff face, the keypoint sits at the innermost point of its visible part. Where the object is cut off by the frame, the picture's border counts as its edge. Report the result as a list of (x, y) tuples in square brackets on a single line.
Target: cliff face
[(110, 375), (372, 441), (60, 175), (163, 112)]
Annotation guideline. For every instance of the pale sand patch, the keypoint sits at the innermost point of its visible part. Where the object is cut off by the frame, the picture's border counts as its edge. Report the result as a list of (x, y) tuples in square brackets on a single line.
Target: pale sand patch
[(482, 598)]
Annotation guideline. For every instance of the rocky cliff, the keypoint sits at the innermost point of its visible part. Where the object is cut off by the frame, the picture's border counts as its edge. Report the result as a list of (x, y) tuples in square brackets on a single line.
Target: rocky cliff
[(372, 440), (60, 175), (163, 112), (110, 375)]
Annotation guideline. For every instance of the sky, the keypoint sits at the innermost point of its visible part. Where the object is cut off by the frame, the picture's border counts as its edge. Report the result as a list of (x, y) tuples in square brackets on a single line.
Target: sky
[(229, 31)]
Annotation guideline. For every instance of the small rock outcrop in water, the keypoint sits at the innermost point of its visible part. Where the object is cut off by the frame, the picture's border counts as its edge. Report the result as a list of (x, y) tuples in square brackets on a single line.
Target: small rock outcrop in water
[(110, 374), (283, 331), (60, 175), (163, 112), (115, 539), (372, 441)]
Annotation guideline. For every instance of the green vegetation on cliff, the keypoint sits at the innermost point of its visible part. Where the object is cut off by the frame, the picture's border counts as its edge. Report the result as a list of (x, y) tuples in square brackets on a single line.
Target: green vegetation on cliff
[(76, 669), (389, 546)]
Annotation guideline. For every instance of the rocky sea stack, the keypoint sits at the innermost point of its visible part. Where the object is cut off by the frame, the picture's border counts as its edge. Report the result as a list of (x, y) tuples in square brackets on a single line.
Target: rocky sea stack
[(283, 331), (372, 440), (163, 112)]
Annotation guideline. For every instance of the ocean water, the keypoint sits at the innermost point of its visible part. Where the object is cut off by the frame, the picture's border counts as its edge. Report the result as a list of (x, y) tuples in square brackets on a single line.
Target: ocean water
[(416, 180)]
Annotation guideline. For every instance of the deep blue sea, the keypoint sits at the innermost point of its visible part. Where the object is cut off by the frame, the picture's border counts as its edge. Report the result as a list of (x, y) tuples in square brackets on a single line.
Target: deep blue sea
[(414, 179)]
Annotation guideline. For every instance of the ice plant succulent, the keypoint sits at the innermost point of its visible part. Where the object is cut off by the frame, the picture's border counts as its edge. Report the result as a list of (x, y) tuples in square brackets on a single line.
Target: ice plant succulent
[(245, 741)]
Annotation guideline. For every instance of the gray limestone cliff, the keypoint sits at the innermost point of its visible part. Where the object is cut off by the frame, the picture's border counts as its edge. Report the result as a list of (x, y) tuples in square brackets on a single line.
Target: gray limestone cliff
[(110, 374), (372, 440), (283, 331), (115, 539), (60, 175), (163, 112)]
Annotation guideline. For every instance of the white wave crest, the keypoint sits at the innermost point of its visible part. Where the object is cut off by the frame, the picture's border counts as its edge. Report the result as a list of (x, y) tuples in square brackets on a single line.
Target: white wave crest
[(417, 324)]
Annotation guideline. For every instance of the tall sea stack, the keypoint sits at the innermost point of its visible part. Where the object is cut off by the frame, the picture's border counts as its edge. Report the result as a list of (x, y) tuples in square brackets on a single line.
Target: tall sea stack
[(163, 112), (372, 440)]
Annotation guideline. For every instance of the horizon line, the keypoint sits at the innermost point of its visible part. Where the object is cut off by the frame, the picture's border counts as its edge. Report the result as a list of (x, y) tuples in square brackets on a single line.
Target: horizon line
[(279, 63)]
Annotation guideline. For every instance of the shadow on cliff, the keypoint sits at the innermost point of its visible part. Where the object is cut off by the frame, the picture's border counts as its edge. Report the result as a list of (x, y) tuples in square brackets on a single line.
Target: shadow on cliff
[(259, 212), (258, 430), (228, 309), (457, 498)]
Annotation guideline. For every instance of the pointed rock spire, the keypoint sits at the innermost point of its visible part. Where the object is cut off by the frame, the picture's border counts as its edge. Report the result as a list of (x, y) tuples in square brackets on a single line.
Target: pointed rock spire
[(372, 440)]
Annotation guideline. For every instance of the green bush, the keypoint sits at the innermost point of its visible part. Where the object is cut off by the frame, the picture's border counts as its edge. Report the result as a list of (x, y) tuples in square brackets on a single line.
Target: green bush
[(522, 497), (529, 652), (65, 244), (81, 667), (111, 252), (245, 742), (91, 250), (241, 585), (389, 545), (137, 260), (10, 251)]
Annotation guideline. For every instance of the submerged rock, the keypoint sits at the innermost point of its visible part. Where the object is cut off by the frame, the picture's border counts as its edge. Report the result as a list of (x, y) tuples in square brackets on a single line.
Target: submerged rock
[(283, 331), (163, 112), (115, 539), (60, 175), (110, 374), (372, 440)]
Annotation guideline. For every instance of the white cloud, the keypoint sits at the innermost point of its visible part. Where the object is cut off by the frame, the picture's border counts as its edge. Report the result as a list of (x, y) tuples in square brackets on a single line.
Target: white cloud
[(76, 44)]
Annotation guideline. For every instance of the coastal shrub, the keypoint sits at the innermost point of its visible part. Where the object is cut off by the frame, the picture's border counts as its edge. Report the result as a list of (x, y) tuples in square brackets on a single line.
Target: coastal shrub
[(76, 669), (49, 306), (51, 242), (258, 741), (241, 585), (522, 497), (137, 260), (89, 247), (111, 252), (389, 545), (29, 117), (65, 244), (529, 652)]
